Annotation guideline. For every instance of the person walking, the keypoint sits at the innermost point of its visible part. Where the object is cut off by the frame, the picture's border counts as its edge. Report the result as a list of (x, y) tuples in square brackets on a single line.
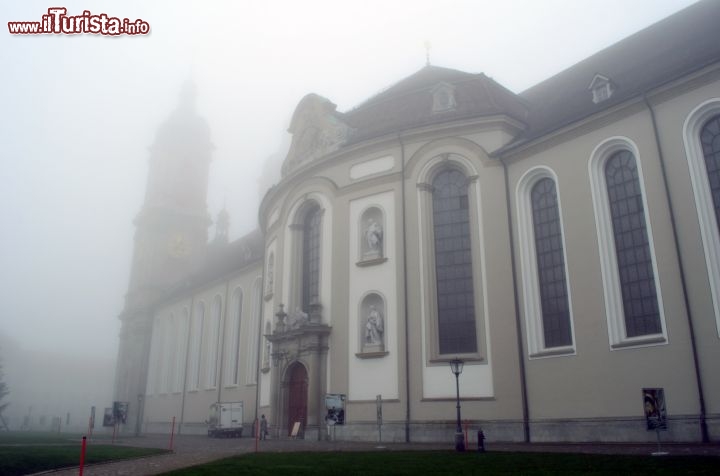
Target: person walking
[(263, 428)]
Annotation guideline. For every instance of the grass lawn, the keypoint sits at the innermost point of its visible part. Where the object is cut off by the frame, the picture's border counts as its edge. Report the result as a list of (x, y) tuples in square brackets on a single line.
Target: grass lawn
[(24, 453), (417, 463)]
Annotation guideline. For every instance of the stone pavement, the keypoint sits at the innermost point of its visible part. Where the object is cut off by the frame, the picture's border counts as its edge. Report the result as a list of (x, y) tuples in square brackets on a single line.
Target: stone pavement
[(193, 450)]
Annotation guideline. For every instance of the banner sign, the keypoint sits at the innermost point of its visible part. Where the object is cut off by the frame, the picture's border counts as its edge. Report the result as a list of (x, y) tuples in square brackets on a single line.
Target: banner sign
[(108, 417), (335, 406), (120, 411), (654, 405)]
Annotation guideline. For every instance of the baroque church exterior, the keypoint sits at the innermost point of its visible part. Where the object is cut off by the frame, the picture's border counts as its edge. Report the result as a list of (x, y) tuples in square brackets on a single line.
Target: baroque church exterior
[(563, 242)]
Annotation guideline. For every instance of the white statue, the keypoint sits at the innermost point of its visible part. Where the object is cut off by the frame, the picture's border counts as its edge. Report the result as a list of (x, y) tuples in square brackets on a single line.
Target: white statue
[(374, 236), (266, 355), (374, 327), (270, 278), (298, 318)]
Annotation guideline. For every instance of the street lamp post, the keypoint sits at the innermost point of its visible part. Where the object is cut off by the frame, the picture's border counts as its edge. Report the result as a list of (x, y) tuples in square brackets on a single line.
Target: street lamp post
[(456, 365)]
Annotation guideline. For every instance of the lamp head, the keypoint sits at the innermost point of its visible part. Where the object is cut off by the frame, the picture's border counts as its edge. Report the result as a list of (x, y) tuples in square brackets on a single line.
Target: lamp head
[(456, 365)]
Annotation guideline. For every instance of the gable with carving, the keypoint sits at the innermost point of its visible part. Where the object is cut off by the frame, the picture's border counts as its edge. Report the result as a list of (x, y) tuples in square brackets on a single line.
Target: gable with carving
[(317, 130)]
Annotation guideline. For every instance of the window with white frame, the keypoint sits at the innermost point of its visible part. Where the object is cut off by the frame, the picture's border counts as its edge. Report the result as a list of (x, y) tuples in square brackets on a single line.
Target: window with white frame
[(198, 326), (213, 344), (232, 339), (311, 257), (151, 387), (548, 315), (253, 331), (710, 141), (602, 88), (453, 264), (451, 259), (702, 147), (632, 296), (161, 362), (168, 354), (181, 335)]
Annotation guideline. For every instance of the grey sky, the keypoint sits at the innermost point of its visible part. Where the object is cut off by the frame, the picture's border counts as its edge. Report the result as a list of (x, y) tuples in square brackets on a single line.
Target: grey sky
[(77, 114)]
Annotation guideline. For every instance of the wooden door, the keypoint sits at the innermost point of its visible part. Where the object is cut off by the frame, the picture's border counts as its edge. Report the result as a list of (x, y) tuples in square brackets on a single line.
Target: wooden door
[(297, 398)]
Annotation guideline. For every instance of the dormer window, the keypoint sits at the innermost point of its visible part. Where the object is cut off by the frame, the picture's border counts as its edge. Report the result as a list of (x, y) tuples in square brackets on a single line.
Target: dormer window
[(602, 88), (443, 97)]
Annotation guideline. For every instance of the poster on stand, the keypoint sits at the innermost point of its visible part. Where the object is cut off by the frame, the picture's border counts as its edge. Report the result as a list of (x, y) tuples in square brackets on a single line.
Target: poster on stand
[(654, 406), (335, 406), (108, 417)]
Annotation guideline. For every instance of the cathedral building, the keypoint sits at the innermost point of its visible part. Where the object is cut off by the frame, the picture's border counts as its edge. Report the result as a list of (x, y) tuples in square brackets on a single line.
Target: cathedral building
[(563, 243)]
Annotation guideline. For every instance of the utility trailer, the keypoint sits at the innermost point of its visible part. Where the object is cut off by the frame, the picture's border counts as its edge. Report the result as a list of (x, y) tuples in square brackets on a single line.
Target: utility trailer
[(226, 420)]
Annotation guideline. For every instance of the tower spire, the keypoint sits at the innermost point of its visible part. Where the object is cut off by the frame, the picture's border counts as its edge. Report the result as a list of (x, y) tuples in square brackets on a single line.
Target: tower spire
[(427, 53)]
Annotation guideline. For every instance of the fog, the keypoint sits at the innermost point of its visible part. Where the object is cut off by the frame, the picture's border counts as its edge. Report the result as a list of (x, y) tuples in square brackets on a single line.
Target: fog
[(78, 113)]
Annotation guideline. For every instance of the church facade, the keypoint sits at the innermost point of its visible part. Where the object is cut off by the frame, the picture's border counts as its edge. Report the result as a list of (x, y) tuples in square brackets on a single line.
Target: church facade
[(564, 243)]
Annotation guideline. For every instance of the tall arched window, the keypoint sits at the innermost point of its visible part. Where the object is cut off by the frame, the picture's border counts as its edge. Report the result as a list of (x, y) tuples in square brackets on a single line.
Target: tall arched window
[(702, 147), (153, 376), (546, 294), (710, 141), (213, 343), (453, 264), (169, 354), (253, 332), (181, 333), (232, 340), (311, 257), (632, 297), (637, 280), (198, 325), (550, 264)]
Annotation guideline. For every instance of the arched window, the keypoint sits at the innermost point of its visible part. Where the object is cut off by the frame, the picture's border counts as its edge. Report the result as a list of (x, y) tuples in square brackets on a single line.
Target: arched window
[(702, 147), (548, 314), (198, 325), (710, 141), (181, 333), (551, 264), (153, 376), (253, 332), (232, 340), (169, 350), (453, 264), (213, 343), (632, 298), (637, 280), (311, 257)]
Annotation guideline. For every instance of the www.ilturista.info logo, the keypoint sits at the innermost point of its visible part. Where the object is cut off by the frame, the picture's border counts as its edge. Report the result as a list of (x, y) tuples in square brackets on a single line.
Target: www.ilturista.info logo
[(57, 22)]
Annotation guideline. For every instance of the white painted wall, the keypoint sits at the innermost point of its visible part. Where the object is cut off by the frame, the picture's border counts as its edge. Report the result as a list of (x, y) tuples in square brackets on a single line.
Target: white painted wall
[(375, 376)]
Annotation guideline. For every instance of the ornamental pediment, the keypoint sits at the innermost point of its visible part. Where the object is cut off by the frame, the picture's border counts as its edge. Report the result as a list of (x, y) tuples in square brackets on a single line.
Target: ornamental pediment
[(317, 130)]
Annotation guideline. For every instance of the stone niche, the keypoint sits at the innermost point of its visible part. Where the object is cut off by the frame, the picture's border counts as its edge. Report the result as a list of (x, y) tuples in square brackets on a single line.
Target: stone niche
[(372, 321), (372, 237)]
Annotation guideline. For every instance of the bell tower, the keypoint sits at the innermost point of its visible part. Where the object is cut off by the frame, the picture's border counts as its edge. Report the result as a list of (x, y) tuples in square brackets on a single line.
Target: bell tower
[(171, 234)]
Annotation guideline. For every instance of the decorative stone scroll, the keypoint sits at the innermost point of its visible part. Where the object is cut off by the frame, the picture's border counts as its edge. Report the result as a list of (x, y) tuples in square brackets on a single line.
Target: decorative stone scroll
[(317, 130)]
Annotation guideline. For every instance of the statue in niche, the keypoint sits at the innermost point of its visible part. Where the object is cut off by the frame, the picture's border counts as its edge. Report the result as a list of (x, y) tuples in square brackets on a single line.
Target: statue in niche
[(298, 318), (374, 239), (266, 355), (374, 327), (268, 349), (270, 277)]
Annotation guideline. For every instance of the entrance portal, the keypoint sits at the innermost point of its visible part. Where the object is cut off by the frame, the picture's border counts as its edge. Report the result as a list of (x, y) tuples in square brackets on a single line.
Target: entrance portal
[(297, 396)]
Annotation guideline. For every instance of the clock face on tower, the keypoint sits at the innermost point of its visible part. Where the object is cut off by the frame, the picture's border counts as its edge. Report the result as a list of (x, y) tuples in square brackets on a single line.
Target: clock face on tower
[(179, 246)]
